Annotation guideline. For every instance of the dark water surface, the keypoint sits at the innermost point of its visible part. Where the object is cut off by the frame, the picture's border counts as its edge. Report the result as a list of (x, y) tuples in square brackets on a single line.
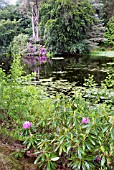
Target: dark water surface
[(73, 70)]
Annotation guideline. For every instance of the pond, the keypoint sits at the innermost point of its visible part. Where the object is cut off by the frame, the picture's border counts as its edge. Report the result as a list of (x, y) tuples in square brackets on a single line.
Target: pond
[(73, 71), (66, 74)]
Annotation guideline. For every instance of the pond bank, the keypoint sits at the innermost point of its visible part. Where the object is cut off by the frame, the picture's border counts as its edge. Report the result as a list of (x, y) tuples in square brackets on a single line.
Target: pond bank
[(8, 162)]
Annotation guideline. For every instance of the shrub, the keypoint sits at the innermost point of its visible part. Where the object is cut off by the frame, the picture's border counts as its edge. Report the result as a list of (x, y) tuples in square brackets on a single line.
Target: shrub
[(18, 97), (109, 34), (80, 135), (34, 56), (19, 43)]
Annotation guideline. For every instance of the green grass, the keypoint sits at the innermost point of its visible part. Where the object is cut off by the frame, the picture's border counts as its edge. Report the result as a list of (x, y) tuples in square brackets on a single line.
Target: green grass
[(101, 55)]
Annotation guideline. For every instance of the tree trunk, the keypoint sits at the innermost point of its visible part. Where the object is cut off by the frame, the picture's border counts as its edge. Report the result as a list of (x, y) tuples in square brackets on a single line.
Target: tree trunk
[(37, 19), (33, 23)]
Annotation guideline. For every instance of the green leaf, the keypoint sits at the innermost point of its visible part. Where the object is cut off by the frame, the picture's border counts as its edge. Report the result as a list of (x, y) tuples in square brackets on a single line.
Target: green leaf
[(79, 154), (79, 165), (103, 161), (105, 129), (29, 145), (83, 166), (37, 159), (60, 150), (87, 165), (112, 133), (49, 166), (68, 148), (89, 147), (55, 159), (91, 140)]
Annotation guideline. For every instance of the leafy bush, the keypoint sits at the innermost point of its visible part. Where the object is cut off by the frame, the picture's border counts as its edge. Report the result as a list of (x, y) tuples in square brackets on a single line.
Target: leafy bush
[(74, 133), (11, 24), (19, 43), (18, 98), (33, 55)]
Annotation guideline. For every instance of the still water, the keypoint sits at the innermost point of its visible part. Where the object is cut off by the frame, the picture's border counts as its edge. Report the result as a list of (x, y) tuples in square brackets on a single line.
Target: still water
[(73, 70), (67, 74)]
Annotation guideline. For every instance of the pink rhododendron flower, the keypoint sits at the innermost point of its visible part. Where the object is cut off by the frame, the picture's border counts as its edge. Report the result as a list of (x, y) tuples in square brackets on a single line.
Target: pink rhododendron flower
[(27, 125), (42, 59), (99, 158), (85, 120), (42, 51)]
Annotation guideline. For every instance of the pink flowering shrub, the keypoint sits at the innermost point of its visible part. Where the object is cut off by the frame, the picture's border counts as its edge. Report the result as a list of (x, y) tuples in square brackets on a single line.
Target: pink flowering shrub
[(34, 56)]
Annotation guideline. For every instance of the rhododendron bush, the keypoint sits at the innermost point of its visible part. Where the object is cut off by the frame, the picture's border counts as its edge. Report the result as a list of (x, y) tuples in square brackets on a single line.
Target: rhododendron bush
[(73, 135), (34, 57)]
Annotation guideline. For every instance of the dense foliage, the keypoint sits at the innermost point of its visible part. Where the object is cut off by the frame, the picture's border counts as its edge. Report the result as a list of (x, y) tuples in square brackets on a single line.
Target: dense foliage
[(64, 24), (109, 34), (11, 24), (19, 43), (108, 9), (61, 132), (61, 25), (7, 28)]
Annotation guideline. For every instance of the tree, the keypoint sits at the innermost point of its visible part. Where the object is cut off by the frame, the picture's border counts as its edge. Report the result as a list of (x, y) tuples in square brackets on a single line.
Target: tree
[(64, 23), (108, 9), (109, 34), (7, 32), (11, 24), (3, 3), (31, 9), (8, 26)]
